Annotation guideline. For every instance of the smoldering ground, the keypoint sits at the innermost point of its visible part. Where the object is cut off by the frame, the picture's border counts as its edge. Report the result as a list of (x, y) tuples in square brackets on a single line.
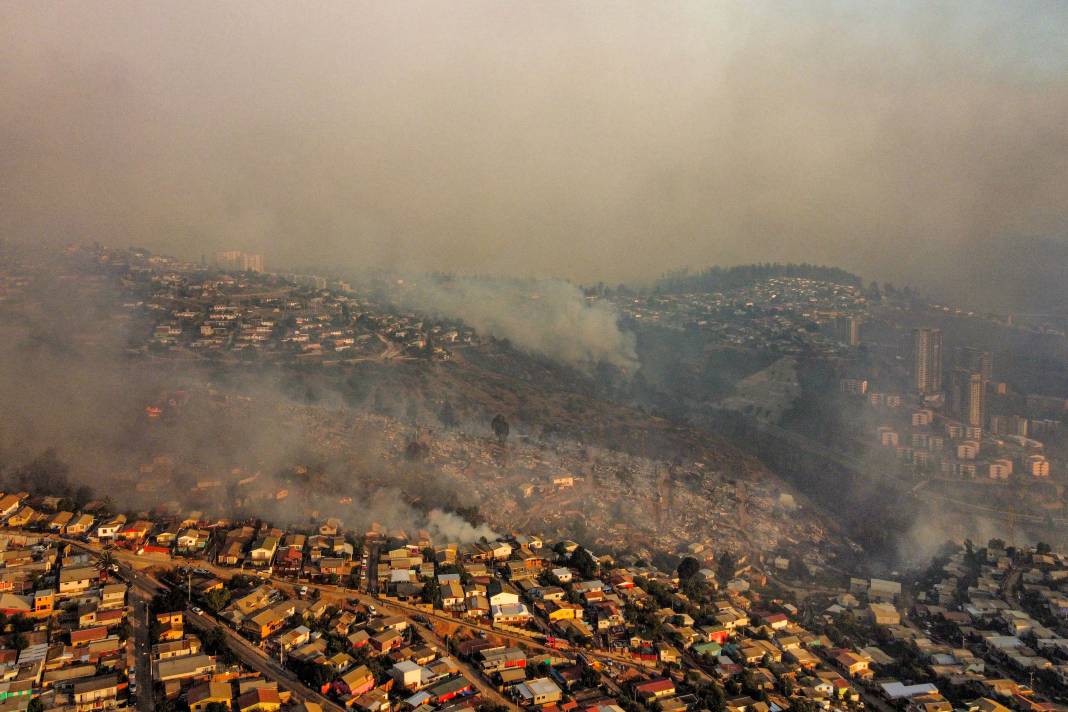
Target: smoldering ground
[(80, 412)]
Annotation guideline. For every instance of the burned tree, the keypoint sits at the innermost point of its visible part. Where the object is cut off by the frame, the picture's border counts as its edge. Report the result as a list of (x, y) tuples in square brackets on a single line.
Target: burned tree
[(500, 427)]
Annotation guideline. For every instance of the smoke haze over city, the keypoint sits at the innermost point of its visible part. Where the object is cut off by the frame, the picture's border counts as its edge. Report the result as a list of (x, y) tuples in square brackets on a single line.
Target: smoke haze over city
[(481, 356), (587, 141)]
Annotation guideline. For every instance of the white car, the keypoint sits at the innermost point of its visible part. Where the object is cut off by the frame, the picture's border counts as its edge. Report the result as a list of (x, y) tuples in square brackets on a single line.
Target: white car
[(303, 590), (197, 610)]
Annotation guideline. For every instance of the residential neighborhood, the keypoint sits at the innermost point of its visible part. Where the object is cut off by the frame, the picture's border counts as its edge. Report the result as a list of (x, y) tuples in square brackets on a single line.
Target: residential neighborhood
[(383, 622)]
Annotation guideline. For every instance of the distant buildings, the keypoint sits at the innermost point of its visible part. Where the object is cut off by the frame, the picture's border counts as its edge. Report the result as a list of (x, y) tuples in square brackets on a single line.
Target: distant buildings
[(974, 359), (1009, 425), (238, 261), (847, 330), (927, 360), (967, 396), (1038, 466)]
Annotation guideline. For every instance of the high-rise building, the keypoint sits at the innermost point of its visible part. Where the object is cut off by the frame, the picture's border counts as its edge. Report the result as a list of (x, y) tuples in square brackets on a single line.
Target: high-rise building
[(967, 397), (252, 262), (927, 360), (847, 330), (975, 359), (238, 261)]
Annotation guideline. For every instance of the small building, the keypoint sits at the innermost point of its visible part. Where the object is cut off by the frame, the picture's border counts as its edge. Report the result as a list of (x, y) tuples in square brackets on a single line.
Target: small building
[(537, 692)]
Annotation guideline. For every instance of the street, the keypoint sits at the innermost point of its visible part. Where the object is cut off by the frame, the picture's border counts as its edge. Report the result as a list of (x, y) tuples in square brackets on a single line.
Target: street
[(141, 632)]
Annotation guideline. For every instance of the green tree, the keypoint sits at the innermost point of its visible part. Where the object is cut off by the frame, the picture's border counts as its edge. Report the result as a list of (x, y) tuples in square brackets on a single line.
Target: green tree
[(106, 561), (431, 592), (688, 567), (217, 599)]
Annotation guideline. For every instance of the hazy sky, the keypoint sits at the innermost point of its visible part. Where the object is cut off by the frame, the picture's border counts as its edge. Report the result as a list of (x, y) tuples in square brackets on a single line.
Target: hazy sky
[(588, 140)]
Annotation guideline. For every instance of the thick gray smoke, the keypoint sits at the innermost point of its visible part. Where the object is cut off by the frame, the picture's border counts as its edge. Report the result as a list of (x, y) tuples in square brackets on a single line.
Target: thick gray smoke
[(549, 318), (590, 141)]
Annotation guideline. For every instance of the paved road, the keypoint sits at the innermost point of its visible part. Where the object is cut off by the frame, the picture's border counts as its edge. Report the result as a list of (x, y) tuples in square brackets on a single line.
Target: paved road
[(396, 607), (272, 669), (473, 675), (371, 572), (426, 633), (141, 630), (254, 658), (145, 588)]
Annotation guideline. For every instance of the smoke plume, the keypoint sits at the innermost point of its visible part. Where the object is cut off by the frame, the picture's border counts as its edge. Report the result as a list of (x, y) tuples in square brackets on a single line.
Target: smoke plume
[(447, 527), (549, 318)]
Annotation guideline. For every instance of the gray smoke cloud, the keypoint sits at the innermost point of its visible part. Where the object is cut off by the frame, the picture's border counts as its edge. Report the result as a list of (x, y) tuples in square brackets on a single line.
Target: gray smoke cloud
[(548, 318), (589, 141), (447, 527)]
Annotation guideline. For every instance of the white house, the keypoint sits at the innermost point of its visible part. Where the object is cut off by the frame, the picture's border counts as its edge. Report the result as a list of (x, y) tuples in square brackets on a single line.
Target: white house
[(110, 528)]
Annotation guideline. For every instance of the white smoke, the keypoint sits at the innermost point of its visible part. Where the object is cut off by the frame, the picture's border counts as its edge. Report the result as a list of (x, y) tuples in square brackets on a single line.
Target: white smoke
[(550, 318), (448, 527)]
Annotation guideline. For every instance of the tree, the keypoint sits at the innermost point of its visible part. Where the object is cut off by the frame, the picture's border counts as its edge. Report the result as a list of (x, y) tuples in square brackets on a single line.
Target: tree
[(35, 705), (312, 674), (448, 415), (216, 599), (688, 567), (416, 450), (215, 640), (216, 707), (725, 566), (106, 561), (590, 677), (171, 706), (21, 624), (431, 592), (239, 582), (584, 562), (1043, 548), (500, 427), (694, 588), (168, 601)]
